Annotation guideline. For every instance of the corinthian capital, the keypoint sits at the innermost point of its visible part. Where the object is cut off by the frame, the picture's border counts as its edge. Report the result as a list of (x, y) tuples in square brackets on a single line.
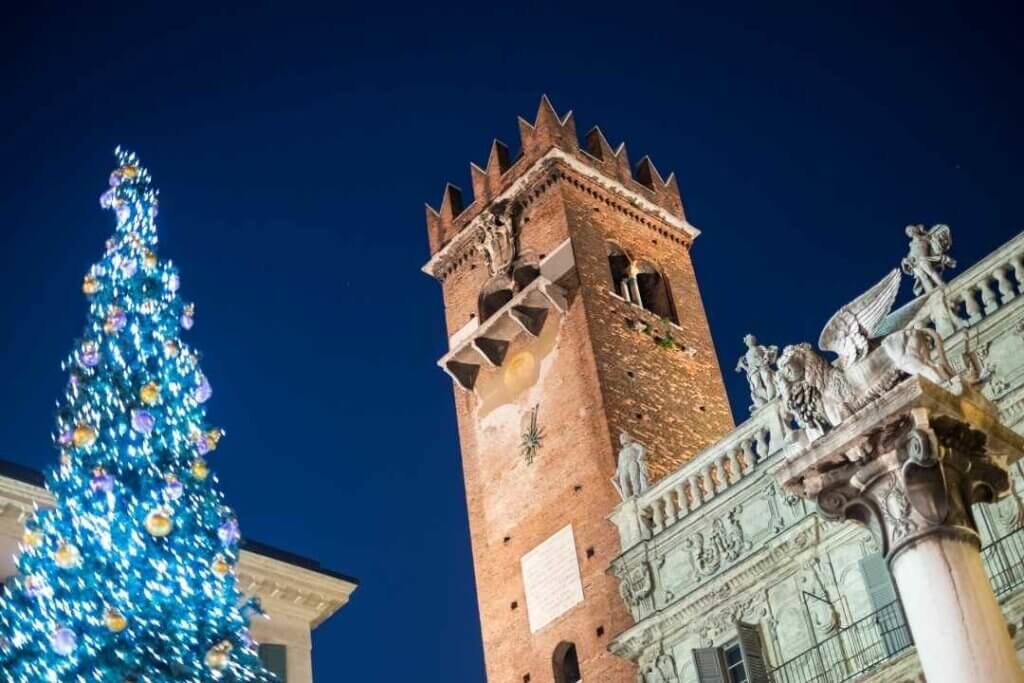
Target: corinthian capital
[(909, 466)]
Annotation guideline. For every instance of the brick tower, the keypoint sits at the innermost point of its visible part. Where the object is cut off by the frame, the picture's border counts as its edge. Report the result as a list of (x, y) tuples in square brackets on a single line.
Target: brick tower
[(573, 316)]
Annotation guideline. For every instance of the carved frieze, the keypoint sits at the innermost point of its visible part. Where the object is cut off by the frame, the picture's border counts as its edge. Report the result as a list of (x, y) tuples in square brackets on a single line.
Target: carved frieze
[(636, 587), (725, 543)]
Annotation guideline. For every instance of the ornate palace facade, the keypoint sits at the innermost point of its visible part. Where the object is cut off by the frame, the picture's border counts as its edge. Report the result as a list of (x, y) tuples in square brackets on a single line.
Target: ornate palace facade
[(623, 528), (741, 549)]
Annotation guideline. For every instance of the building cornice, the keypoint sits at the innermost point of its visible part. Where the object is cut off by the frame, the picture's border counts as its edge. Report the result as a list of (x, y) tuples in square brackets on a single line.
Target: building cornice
[(284, 588)]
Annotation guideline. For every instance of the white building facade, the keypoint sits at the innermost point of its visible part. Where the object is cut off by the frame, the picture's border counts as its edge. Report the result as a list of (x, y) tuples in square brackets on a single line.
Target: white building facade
[(732, 578), (296, 593)]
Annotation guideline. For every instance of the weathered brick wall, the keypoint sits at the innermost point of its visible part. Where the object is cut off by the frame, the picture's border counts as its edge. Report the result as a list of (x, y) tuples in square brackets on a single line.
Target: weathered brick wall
[(671, 399), (515, 506)]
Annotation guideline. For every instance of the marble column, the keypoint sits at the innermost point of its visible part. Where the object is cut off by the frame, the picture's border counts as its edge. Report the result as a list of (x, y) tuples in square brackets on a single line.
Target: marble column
[(910, 468)]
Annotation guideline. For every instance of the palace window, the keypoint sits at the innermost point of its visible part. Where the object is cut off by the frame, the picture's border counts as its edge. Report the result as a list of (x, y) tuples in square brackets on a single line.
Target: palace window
[(566, 664), (734, 663), (275, 660), (740, 661)]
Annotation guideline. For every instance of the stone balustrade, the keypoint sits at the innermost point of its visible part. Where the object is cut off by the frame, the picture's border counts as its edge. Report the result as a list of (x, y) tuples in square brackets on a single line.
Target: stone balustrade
[(984, 288), (710, 473)]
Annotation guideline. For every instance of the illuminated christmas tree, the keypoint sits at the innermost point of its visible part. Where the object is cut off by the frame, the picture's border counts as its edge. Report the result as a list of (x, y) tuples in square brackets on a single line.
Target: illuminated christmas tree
[(131, 577)]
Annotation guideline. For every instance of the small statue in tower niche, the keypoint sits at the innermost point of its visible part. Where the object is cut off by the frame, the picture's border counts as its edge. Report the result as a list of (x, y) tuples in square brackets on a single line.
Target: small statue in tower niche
[(757, 362), (928, 256), (631, 475), (496, 239)]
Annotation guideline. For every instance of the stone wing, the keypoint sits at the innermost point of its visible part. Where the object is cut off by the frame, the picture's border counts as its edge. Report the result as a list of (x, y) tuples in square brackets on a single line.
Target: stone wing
[(848, 332)]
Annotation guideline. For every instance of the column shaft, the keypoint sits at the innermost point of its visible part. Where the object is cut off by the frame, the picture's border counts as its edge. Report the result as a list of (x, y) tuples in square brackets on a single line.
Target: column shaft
[(958, 627)]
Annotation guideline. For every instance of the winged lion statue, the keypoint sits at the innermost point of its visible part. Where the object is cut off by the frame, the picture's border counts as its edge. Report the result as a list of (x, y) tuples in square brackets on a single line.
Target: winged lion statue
[(820, 394)]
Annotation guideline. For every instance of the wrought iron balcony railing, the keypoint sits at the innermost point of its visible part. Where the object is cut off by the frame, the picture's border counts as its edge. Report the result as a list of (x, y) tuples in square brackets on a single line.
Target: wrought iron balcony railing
[(1004, 561), (851, 651), (870, 642)]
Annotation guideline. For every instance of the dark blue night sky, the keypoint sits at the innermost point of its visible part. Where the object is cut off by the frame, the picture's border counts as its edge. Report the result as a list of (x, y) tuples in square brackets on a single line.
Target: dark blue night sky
[(295, 146)]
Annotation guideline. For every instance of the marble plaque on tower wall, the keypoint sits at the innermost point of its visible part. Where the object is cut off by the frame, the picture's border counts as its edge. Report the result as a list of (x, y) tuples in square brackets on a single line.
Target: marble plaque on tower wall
[(551, 579)]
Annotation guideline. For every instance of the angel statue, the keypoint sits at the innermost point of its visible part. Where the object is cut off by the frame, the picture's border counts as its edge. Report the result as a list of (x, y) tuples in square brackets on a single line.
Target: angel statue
[(820, 394), (757, 363), (928, 256)]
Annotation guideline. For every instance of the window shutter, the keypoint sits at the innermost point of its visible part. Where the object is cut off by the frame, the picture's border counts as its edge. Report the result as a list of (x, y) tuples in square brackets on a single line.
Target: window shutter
[(275, 660), (752, 649), (881, 590), (710, 665)]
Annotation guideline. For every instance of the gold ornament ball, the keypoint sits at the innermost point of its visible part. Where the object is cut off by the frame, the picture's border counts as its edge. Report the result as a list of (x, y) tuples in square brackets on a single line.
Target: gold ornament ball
[(150, 393), (84, 436), (171, 349), (33, 538), (219, 656), (115, 621), (200, 470), (90, 285), (220, 566), (149, 261), (67, 556), (128, 171), (159, 523), (110, 325)]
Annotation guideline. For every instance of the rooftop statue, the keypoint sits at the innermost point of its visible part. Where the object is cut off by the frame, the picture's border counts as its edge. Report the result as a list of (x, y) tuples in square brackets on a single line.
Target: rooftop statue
[(757, 363), (928, 256), (631, 475), (820, 394)]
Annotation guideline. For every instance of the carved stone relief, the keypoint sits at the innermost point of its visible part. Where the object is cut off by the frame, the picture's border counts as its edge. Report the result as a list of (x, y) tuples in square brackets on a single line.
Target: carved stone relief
[(496, 239), (636, 587), (750, 607), (725, 543), (820, 606)]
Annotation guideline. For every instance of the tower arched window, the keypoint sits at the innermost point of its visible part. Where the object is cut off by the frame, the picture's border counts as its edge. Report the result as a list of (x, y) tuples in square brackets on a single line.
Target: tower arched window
[(619, 264), (654, 292), (566, 664)]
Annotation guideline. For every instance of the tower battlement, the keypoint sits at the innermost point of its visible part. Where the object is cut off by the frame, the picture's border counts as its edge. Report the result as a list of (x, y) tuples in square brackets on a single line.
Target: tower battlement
[(548, 138)]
